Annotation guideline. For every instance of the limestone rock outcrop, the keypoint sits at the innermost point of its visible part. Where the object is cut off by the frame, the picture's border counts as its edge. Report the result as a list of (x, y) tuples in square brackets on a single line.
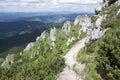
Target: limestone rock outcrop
[(53, 34), (101, 5), (81, 20), (67, 27), (70, 40), (8, 60), (85, 23), (97, 32), (99, 20), (53, 37), (42, 36), (29, 46), (118, 12)]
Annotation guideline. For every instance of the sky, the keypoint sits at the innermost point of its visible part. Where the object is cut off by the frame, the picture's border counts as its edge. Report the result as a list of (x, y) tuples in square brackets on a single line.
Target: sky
[(48, 5)]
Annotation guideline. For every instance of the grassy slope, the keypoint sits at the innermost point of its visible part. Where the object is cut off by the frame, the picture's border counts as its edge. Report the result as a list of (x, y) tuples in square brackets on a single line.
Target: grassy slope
[(89, 53), (48, 62)]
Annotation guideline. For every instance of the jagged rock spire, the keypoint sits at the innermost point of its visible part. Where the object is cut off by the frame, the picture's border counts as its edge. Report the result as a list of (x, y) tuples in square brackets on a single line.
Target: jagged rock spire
[(67, 27)]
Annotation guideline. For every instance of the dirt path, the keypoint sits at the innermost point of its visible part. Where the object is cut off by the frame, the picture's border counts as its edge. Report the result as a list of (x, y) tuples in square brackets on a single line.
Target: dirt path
[(70, 61)]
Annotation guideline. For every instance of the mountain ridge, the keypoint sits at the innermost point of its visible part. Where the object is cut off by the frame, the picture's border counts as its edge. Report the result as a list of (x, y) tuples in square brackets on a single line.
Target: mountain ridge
[(47, 56)]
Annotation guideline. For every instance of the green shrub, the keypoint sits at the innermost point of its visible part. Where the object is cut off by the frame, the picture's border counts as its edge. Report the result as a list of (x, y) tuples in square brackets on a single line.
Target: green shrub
[(94, 18), (109, 57), (112, 2), (111, 23)]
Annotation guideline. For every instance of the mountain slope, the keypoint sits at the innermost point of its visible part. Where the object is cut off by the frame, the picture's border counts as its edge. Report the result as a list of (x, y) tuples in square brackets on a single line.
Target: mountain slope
[(70, 61), (56, 52)]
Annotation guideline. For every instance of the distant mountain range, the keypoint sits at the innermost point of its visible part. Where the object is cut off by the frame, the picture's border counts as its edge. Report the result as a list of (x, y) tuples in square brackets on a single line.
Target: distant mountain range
[(12, 23), (17, 31)]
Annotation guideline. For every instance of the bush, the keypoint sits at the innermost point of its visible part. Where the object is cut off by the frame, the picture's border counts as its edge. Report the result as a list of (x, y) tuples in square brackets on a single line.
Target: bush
[(112, 2), (111, 23), (109, 57)]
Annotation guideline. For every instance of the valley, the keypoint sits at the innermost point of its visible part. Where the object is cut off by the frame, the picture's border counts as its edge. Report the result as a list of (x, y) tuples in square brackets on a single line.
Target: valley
[(63, 46)]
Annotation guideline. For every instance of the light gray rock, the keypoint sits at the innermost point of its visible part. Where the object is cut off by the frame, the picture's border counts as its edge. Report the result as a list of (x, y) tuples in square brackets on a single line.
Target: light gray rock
[(20, 53), (105, 3), (101, 5), (77, 20), (52, 45), (79, 34), (70, 40), (99, 20), (116, 3), (98, 9), (29, 46), (67, 27), (31, 57), (97, 32), (53, 34), (42, 36), (53, 37), (8, 60), (118, 12), (83, 20)]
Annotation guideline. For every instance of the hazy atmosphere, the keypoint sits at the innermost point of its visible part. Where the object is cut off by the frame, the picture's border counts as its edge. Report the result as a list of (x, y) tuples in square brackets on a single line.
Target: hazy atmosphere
[(47, 5)]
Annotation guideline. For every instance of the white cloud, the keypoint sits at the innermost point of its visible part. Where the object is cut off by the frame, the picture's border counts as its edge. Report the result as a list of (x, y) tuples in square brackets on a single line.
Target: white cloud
[(48, 5), (79, 1)]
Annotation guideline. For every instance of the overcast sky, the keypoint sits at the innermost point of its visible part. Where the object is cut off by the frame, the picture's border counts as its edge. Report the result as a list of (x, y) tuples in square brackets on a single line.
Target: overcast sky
[(47, 5)]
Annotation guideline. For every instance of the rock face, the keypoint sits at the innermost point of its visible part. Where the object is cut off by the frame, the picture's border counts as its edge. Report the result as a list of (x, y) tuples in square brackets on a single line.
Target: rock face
[(97, 32), (102, 4), (118, 12), (83, 21), (8, 60), (118, 2), (98, 9), (67, 27), (70, 40), (99, 20), (105, 3), (53, 34), (52, 45), (42, 36), (29, 46), (53, 37)]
